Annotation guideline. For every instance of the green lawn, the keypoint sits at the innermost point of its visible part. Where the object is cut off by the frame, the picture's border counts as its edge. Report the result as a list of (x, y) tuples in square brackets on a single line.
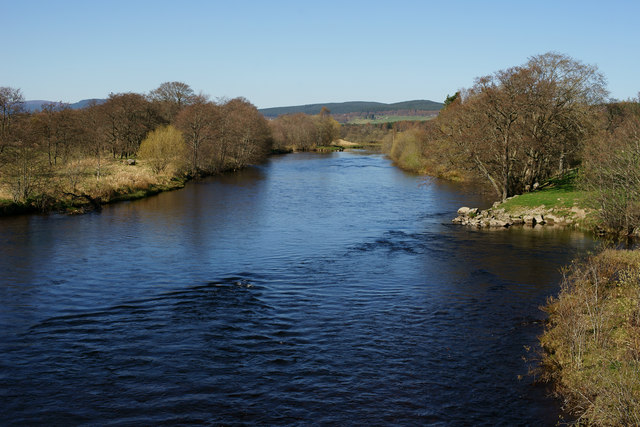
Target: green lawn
[(560, 193)]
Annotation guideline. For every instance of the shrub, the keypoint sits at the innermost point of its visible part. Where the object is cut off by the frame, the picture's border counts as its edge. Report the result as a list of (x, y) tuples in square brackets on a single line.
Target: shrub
[(592, 340), (162, 148)]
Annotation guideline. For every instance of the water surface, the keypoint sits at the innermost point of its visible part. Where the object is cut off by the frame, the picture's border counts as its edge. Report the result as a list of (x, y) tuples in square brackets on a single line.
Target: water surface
[(314, 289)]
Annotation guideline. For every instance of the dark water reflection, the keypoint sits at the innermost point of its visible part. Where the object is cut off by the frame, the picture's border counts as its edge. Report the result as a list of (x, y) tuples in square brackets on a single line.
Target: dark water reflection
[(316, 289)]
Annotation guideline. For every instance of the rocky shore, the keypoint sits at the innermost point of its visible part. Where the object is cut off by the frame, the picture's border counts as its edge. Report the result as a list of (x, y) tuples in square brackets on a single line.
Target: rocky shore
[(499, 217)]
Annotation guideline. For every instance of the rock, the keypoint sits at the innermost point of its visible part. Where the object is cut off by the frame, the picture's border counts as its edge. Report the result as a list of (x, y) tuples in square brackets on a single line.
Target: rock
[(516, 220), (463, 211), (539, 219), (497, 223), (529, 220)]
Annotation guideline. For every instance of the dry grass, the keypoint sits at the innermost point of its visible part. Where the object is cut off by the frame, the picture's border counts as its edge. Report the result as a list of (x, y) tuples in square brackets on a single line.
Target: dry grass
[(79, 177), (592, 342)]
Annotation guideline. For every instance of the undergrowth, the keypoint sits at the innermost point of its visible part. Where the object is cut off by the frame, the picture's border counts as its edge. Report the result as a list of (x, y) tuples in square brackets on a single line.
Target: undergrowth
[(591, 345)]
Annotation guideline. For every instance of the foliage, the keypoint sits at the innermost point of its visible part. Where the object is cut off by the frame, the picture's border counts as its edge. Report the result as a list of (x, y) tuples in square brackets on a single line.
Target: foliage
[(451, 99), (304, 132), (592, 340), (523, 125), (60, 157), (419, 147), (164, 148), (221, 137), (129, 118)]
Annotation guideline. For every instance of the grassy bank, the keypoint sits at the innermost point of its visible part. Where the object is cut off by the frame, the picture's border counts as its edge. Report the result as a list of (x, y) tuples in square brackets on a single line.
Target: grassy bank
[(592, 340), (559, 199), (77, 188)]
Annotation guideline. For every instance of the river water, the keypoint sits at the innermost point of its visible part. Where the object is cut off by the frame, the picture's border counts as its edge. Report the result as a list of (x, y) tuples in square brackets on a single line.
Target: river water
[(314, 289)]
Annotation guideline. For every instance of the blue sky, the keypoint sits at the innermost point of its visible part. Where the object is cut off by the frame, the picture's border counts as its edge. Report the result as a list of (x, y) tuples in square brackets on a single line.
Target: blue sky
[(278, 53)]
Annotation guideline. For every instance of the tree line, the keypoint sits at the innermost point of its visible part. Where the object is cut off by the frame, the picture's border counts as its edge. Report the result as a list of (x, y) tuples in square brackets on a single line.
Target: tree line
[(172, 129), (304, 132), (517, 128)]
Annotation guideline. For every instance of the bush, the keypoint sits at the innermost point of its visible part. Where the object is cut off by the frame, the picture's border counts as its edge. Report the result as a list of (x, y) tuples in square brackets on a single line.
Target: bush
[(164, 148), (592, 340)]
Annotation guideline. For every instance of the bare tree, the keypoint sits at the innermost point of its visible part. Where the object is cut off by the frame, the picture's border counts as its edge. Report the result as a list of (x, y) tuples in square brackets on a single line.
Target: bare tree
[(172, 98), (199, 125), (246, 138), (611, 169), (130, 117), (11, 103), (519, 126)]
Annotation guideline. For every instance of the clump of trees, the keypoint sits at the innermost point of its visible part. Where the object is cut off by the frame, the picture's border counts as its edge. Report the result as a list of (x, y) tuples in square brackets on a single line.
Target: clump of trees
[(520, 127), (173, 131), (525, 124), (304, 132)]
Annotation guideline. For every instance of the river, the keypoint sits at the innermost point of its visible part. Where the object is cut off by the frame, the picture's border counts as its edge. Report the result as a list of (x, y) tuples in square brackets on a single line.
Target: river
[(313, 289)]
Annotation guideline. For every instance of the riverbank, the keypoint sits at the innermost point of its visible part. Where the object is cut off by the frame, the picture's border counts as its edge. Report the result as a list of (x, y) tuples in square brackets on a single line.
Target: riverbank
[(387, 280), (558, 203), (592, 339), (77, 190)]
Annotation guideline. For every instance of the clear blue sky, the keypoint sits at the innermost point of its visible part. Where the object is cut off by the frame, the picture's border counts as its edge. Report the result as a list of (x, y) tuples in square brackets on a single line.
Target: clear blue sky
[(278, 53)]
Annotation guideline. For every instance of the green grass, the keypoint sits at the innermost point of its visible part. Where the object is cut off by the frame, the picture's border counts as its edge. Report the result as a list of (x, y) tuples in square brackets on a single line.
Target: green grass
[(326, 149), (559, 193)]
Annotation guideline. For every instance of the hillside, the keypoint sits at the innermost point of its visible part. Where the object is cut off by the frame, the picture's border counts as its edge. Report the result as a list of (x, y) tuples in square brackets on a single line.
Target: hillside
[(420, 107), (36, 105)]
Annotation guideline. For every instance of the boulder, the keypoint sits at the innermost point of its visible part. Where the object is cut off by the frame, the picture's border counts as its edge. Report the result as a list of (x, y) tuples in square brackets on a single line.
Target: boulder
[(494, 222), (516, 220)]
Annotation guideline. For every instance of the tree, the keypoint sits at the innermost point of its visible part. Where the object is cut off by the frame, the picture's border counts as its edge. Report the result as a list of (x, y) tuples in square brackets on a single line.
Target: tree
[(130, 117), (11, 102), (172, 97), (24, 172), (245, 136), (450, 99), (520, 126), (94, 135), (58, 127), (199, 124), (328, 129), (164, 148), (294, 131), (611, 169)]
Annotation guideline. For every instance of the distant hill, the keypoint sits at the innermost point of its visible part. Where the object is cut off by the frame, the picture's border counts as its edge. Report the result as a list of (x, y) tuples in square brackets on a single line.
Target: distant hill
[(356, 107), (36, 105)]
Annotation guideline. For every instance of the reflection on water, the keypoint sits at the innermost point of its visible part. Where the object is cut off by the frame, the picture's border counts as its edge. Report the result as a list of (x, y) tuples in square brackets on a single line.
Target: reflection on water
[(312, 289)]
